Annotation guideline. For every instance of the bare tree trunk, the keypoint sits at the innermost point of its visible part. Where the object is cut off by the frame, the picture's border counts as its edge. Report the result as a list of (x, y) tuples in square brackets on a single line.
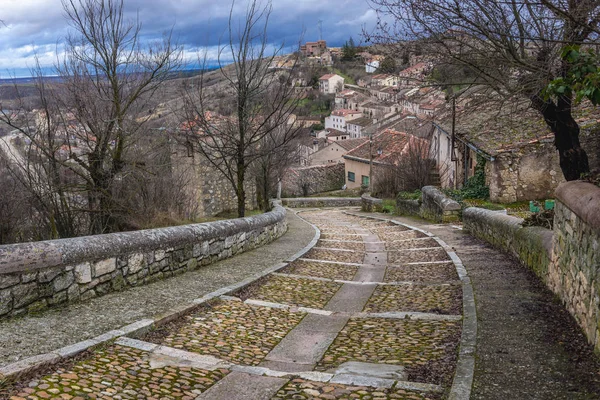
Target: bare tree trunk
[(559, 117)]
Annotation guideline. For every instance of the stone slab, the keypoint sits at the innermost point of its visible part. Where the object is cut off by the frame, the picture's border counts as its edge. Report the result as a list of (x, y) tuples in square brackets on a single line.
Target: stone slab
[(302, 346), (241, 386), (370, 274), (379, 258), (372, 370), (289, 367), (320, 323), (355, 380), (350, 298)]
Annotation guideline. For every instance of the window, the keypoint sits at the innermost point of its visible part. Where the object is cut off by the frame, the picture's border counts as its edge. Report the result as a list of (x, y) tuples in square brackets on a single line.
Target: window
[(365, 180), (351, 176)]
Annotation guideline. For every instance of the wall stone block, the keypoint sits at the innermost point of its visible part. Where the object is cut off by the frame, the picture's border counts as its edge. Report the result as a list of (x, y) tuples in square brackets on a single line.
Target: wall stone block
[(97, 265)]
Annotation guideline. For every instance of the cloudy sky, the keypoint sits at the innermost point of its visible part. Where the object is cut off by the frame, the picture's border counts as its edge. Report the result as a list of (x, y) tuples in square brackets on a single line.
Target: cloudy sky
[(39, 26)]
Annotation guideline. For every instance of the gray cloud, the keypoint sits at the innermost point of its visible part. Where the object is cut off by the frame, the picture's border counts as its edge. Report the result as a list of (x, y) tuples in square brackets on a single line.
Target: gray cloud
[(38, 26)]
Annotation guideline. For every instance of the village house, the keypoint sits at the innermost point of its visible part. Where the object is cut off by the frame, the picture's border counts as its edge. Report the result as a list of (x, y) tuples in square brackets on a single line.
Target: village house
[(355, 127), (516, 144), (331, 84), (333, 152), (334, 135), (342, 98), (385, 150), (313, 49), (385, 80), (414, 75), (339, 118)]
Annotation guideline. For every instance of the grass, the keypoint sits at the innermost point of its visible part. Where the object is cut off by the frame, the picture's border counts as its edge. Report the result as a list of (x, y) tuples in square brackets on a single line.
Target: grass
[(339, 193)]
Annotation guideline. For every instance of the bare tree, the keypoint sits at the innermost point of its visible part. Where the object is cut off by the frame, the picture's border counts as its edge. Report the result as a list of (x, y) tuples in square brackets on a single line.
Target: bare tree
[(95, 115), (510, 46), (262, 101)]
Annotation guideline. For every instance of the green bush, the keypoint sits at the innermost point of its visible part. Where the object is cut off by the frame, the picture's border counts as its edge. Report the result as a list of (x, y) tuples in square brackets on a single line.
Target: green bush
[(416, 195)]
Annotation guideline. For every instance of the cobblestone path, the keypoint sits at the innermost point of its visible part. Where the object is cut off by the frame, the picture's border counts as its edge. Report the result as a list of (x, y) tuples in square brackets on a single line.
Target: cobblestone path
[(373, 311)]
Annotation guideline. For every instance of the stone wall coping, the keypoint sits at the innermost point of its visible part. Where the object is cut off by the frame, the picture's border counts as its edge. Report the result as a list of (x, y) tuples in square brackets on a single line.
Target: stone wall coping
[(369, 198), (491, 215), (440, 198), (320, 199), (583, 198), (26, 257)]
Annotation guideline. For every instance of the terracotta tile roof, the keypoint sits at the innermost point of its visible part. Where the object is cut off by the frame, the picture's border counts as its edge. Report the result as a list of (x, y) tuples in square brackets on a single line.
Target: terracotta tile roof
[(350, 144), (327, 77), (336, 133), (363, 121), (511, 126), (392, 143), (342, 112)]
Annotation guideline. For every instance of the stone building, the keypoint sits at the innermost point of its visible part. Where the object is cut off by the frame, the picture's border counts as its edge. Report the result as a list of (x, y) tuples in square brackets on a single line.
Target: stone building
[(521, 160)]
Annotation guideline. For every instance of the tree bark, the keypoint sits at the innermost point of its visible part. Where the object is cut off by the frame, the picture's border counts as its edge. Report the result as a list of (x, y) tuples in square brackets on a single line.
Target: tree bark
[(559, 117)]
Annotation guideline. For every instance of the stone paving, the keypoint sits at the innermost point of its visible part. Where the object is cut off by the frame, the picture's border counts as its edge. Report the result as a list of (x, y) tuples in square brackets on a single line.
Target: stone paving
[(234, 331), (382, 321), (421, 273), (436, 299), (322, 270), (123, 373)]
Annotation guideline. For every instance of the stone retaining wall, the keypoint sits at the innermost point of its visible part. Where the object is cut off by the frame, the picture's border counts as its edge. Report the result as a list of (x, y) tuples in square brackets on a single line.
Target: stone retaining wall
[(303, 202), (408, 207), (532, 245), (34, 276), (371, 204), (567, 259), (574, 274), (437, 207), (310, 180)]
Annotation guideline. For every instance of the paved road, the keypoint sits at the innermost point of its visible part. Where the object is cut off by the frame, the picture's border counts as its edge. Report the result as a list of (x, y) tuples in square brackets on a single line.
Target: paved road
[(372, 312)]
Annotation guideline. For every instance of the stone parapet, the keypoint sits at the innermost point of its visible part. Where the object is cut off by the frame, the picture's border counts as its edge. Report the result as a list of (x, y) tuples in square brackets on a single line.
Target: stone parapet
[(408, 207), (34, 276), (566, 259), (437, 207), (574, 274), (371, 204), (304, 202)]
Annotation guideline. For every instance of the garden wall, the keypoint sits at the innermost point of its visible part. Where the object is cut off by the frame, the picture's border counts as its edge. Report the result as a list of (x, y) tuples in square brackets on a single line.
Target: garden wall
[(371, 204), (300, 202), (310, 180), (567, 259), (34, 276)]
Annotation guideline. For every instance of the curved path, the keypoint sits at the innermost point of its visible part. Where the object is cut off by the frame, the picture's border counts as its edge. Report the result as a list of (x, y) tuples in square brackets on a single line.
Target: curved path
[(374, 311)]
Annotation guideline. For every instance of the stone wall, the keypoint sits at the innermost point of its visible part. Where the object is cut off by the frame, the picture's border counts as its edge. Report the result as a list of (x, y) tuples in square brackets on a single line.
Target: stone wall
[(437, 207), (300, 202), (567, 259), (209, 192), (574, 273), (532, 173), (408, 207), (34, 276), (310, 180), (371, 204), (532, 245)]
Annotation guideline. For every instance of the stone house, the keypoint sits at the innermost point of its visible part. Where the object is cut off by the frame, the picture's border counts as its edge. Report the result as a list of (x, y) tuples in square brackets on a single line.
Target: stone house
[(385, 149), (313, 49), (333, 152), (521, 160), (384, 80), (331, 84), (334, 135), (414, 75)]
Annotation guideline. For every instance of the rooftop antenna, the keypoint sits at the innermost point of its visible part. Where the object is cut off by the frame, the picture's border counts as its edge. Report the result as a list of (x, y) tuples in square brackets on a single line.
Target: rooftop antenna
[(320, 25)]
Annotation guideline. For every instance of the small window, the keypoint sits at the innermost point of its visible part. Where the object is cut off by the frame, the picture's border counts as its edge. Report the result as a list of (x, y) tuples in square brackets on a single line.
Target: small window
[(365, 180), (351, 176)]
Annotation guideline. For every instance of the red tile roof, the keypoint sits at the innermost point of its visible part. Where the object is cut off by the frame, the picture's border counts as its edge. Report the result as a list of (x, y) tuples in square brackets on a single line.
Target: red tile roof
[(393, 144)]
